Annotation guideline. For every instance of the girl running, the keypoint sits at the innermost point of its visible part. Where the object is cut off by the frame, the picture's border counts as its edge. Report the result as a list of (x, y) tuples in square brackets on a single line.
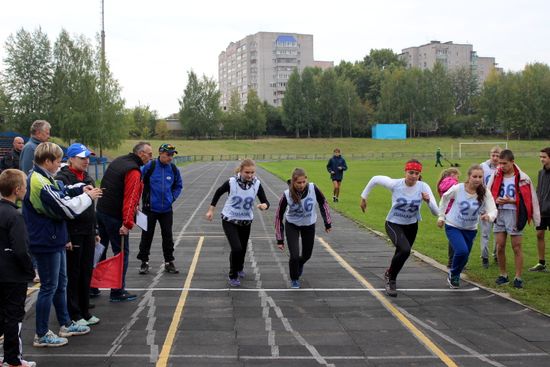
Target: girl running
[(238, 213), (297, 209), (448, 178), (402, 220), (472, 202)]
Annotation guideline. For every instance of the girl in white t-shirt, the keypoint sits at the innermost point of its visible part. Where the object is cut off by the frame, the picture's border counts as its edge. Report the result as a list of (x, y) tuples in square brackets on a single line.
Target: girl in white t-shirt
[(402, 220), (472, 202)]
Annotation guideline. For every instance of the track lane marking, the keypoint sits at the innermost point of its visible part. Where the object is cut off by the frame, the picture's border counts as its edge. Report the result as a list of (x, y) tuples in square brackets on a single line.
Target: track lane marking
[(431, 346), (171, 335)]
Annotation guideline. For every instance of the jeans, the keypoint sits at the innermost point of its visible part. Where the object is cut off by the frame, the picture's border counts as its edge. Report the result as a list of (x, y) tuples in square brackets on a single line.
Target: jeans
[(109, 232), (165, 220), (52, 268), (462, 241)]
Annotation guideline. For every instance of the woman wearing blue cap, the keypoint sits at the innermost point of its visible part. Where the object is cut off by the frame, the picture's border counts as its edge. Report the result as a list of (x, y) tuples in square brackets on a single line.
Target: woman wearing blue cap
[(83, 237)]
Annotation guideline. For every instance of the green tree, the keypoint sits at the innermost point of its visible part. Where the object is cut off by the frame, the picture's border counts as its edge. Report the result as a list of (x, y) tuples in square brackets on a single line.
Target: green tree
[(274, 119), (293, 104), (28, 77), (310, 95), (161, 129), (465, 90), (489, 102), (254, 115), (75, 100), (233, 118), (328, 101), (534, 100), (200, 111), (439, 97), (143, 122)]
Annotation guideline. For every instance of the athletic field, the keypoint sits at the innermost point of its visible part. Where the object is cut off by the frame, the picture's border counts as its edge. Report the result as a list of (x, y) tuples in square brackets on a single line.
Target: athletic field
[(340, 316)]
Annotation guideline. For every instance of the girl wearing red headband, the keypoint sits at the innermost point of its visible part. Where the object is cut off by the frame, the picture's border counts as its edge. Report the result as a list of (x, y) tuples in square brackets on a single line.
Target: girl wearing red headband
[(402, 220)]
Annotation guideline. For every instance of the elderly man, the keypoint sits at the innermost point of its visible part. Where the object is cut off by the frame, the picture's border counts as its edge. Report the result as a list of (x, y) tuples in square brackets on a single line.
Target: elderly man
[(40, 133), (11, 160), (117, 208)]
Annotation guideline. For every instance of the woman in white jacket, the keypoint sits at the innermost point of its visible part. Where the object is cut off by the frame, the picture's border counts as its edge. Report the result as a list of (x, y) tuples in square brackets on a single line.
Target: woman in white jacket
[(472, 202)]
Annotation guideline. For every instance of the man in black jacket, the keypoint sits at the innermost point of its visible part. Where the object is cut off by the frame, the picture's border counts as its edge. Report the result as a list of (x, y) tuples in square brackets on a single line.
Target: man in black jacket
[(83, 237), (543, 194), (11, 160), (15, 265)]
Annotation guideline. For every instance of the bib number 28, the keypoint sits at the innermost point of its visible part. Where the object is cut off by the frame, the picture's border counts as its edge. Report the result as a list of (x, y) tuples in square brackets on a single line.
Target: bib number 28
[(242, 203)]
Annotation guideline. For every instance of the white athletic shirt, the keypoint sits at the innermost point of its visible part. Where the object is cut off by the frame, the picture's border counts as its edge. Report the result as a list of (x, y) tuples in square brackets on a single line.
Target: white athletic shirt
[(240, 203), (466, 210), (508, 188), (406, 200), (488, 170), (302, 213)]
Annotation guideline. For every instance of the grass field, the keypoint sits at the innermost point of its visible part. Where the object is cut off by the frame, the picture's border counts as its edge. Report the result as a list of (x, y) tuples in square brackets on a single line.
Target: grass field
[(431, 240), (349, 146)]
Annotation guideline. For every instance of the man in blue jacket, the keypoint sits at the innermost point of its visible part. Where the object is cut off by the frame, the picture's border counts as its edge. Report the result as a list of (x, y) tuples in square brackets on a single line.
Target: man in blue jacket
[(162, 184), (336, 167)]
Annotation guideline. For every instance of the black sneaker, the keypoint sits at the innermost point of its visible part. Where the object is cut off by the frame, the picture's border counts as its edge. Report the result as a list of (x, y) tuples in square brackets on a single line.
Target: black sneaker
[(485, 262), (122, 297), (391, 285), (334, 199), (169, 267), (144, 268), (453, 281)]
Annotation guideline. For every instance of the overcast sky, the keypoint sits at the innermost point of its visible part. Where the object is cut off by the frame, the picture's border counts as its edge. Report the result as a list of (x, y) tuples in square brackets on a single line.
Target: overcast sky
[(151, 45)]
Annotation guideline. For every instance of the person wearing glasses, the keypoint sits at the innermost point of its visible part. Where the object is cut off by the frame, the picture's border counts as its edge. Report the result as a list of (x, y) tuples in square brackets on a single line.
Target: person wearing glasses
[(116, 210), (162, 184), (402, 220)]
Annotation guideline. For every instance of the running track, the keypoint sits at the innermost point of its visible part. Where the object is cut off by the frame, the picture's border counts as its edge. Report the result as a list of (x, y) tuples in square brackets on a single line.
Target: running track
[(340, 317)]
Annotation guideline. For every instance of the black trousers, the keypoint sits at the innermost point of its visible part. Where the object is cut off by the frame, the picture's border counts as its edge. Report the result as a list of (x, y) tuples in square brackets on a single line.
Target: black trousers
[(402, 236), (238, 240), (12, 311), (80, 263), (293, 233), (165, 220)]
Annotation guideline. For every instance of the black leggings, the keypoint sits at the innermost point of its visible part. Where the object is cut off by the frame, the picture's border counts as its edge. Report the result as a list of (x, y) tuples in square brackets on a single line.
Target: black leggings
[(238, 240), (293, 233), (402, 236)]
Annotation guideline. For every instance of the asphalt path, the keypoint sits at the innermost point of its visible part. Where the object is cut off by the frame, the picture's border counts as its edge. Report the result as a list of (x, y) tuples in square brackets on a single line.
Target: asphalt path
[(340, 316)]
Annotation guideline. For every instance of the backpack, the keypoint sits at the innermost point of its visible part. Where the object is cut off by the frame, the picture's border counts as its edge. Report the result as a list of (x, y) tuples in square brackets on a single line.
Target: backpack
[(146, 198)]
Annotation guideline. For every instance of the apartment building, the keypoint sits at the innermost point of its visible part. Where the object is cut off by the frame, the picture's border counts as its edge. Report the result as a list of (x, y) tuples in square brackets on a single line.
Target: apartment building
[(451, 55), (263, 62)]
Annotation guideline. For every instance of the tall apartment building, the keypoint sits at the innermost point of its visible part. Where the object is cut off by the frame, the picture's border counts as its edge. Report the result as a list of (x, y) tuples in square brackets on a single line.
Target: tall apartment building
[(451, 55), (263, 62)]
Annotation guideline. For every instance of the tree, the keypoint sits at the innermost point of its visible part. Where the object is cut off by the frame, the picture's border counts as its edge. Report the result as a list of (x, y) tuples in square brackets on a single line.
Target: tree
[(328, 101), (439, 97), (274, 119), (465, 90), (489, 102), (534, 100), (161, 129), (75, 100), (293, 104), (233, 119), (28, 77), (310, 94), (200, 110), (254, 114), (143, 122)]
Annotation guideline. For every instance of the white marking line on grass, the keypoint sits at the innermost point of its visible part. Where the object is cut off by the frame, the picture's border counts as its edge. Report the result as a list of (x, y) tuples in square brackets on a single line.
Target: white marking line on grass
[(472, 352), (241, 289)]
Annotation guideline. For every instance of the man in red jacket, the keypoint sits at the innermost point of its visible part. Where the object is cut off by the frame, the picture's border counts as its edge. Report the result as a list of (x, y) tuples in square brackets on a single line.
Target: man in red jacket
[(122, 188), (517, 205)]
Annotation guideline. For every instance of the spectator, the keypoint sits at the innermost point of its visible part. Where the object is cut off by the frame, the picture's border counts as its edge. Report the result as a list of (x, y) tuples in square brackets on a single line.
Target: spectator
[(11, 160), (40, 133), (82, 236), (46, 207), (162, 184), (117, 208), (543, 194)]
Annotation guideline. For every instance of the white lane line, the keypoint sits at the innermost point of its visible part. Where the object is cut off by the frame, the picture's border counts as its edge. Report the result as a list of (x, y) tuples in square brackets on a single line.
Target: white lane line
[(444, 336), (236, 357), (148, 298), (241, 289)]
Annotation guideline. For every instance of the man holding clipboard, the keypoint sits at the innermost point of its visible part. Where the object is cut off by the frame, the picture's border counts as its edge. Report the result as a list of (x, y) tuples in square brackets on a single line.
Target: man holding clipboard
[(162, 185)]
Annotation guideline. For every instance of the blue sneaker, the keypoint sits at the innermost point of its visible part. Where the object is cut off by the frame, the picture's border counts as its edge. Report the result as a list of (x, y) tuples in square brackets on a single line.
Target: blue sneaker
[(73, 329), (501, 280), (49, 340), (453, 281), (234, 282), (241, 274), (518, 283), (295, 284), (122, 297)]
